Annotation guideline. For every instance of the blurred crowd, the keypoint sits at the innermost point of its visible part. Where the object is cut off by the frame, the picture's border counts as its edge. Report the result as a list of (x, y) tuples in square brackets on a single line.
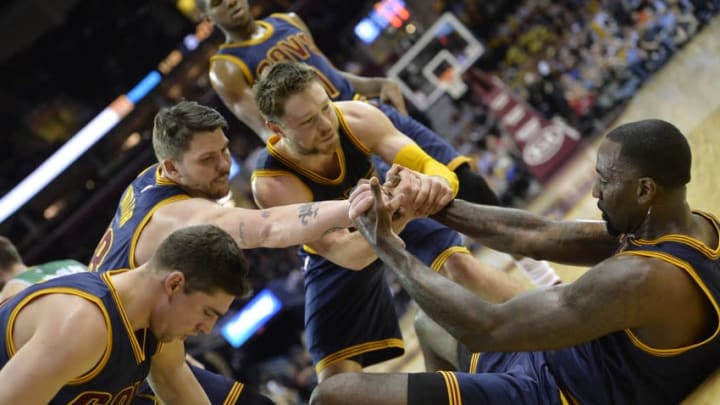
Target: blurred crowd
[(573, 59)]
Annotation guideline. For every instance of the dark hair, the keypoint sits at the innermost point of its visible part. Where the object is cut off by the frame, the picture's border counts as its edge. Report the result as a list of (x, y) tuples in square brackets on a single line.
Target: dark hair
[(279, 82), (657, 149), (9, 255), (208, 257), (175, 126)]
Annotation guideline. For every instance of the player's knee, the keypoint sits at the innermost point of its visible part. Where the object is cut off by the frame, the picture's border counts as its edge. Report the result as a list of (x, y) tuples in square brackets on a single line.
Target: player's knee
[(331, 391), (463, 269), (423, 325)]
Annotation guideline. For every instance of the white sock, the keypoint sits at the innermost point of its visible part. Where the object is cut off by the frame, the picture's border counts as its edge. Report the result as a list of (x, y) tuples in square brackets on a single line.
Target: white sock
[(538, 271)]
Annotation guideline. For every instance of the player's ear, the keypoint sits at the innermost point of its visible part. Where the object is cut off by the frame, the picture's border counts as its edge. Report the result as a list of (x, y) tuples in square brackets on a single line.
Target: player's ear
[(174, 282), (646, 190), (170, 168), (273, 126)]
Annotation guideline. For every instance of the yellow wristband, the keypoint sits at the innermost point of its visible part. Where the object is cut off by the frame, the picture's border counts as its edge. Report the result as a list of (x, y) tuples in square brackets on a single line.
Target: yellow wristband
[(412, 157)]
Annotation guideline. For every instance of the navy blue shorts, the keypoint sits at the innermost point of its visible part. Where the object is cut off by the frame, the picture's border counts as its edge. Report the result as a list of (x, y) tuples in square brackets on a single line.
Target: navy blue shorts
[(220, 389), (350, 314), (505, 378)]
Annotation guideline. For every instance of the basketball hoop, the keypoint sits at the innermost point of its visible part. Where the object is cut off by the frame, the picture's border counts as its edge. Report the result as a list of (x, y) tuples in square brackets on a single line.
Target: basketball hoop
[(451, 83)]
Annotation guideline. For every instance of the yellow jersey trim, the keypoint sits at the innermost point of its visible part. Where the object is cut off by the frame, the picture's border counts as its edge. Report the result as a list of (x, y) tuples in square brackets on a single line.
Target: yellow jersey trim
[(353, 351), (234, 394), (249, 78), (453, 387), (308, 173), (474, 360), (458, 161), (138, 350), (269, 30), (712, 253), (10, 344), (440, 259), (144, 221), (691, 272), (277, 173), (354, 139)]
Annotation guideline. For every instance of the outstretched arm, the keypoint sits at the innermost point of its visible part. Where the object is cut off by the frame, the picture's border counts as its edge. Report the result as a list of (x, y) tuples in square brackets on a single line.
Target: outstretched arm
[(521, 232), (386, 89), (618, 294), (378, 135), (341, 246), (275, 227)]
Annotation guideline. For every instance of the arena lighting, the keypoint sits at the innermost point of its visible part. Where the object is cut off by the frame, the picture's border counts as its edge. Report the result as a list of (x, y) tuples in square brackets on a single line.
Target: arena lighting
[(383, 13), (58, 162), (144, 87), (252, 317), (235, 168), (88, 135), (76, 146)]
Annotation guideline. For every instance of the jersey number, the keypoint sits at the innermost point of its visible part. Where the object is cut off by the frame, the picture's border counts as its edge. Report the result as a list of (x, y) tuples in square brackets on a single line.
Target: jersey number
[(101, 250)]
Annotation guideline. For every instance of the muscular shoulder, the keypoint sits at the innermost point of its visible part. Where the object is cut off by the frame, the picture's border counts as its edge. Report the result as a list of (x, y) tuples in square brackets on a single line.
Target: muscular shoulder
[(48, 330), (279, 189), (366, 122), (363, 118), (65, 315), (641, 289), (355, 109), (227, 75)]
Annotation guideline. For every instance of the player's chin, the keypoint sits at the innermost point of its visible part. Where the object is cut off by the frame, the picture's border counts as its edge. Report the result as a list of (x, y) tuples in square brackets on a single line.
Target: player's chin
[(219, 192)]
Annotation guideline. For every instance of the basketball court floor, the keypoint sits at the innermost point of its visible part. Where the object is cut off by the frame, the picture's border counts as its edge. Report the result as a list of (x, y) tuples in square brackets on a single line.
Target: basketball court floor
[(685, 92)]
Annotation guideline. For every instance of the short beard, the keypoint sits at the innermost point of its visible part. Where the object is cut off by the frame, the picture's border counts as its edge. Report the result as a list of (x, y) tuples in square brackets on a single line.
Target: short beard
[(611, 229)]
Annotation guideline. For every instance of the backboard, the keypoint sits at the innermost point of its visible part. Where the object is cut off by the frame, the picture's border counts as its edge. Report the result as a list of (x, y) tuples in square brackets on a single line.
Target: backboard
[(435, 63)]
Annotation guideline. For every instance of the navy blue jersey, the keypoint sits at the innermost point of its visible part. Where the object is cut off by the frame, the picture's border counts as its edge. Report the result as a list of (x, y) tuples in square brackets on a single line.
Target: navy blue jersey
[(366, 330), (353, 157), (148, 192), (620, 368), (126, 362), (282, 40)]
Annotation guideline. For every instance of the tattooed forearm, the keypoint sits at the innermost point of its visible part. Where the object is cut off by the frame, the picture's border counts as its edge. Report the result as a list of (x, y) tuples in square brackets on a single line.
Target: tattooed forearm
[(307, 212)]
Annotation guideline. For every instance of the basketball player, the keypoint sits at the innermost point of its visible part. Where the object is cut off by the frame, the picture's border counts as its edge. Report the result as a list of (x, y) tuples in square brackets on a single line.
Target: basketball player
[(192, 171), (320, 151), (253, 45), (93, 338), (640, 327), (16, 276)]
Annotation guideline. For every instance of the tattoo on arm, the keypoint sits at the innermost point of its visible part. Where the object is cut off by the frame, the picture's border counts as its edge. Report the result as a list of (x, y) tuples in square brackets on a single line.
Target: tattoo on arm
[(265, 214), (306, 212)]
